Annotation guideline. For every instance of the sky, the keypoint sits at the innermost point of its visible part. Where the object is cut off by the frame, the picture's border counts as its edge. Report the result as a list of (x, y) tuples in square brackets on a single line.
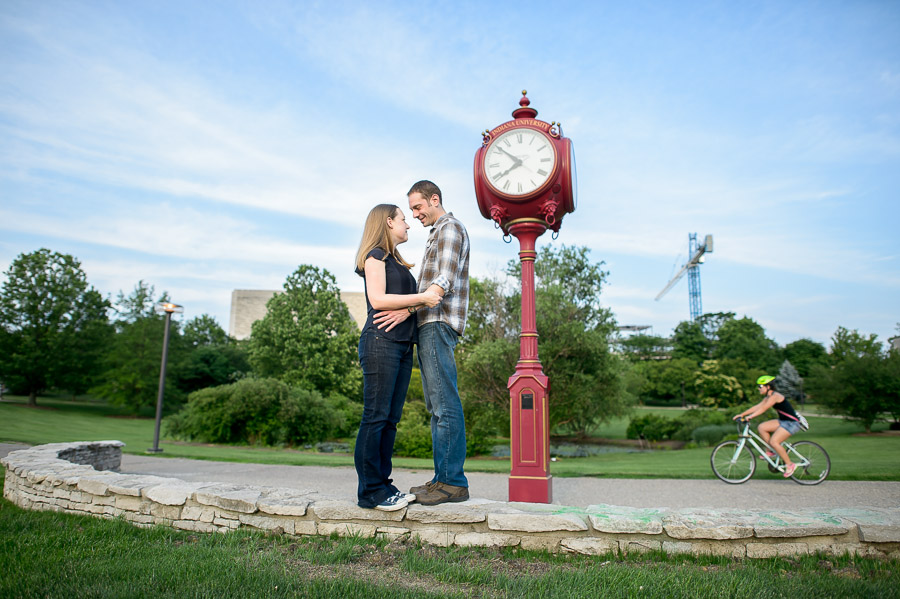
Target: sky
[(204, 147)]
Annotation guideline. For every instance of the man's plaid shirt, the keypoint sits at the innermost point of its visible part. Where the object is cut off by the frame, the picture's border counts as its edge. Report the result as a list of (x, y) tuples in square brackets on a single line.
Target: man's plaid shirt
[(446, 263)]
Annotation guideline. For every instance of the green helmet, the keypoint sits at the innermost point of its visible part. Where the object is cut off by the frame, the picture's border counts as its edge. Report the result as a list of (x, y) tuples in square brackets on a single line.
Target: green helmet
[(765, 379)]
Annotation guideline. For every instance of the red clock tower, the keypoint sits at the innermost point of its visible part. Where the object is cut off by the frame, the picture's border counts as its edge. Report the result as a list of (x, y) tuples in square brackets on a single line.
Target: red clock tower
[(525, 183)]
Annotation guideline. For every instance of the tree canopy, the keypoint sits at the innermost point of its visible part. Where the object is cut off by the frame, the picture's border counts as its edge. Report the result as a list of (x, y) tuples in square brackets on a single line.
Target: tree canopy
[(307, 337), (53, 325)]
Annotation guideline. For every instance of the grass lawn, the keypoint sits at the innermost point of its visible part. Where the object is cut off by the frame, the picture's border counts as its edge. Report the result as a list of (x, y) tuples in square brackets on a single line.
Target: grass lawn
[(853, 456), (49, 554)]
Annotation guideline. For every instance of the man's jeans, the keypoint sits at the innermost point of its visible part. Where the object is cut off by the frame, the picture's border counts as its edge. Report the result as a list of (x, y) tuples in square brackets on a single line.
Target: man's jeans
[(448, 428), (386, 367)]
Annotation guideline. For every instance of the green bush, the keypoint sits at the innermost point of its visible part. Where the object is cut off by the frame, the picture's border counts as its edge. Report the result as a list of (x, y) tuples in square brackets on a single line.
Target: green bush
[(708, 435), (414, 432), (652, 426), (659, 428), (260, 412)]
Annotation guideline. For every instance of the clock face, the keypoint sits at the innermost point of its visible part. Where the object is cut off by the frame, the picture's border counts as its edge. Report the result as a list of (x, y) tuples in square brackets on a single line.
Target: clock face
[(519, 162)]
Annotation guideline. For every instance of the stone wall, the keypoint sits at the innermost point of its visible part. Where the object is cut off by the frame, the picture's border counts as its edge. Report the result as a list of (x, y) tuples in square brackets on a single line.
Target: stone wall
[(80, 478)]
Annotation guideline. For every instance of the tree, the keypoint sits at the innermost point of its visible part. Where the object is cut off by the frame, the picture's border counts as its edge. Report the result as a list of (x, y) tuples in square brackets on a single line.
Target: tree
[(847, 344), (53, 325), (716, 389), (645, 347), (586, 377), (307, 337), (746, 340), (863, 383), (132, 364), (788, 382), (689, 342), (668, 379), (804, 354), (211, 358)]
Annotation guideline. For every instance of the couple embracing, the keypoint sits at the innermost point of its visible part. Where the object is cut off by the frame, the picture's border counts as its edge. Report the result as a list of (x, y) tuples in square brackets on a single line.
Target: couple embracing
[(401, 314)]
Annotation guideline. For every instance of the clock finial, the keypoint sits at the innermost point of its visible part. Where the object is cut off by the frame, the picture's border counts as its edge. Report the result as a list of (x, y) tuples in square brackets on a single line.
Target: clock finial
[(524, 112)]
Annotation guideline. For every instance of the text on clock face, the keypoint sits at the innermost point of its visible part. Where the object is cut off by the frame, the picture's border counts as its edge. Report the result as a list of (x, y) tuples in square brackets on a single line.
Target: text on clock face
[(519, 162)]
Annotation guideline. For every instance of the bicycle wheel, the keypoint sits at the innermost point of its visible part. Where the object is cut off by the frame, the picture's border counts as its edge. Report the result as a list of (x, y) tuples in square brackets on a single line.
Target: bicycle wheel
[(813, 463), (732, 463)]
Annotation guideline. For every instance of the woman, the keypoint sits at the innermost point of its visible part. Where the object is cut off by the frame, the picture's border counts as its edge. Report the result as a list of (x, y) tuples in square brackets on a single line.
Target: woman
[(385, 356), (774, 432)]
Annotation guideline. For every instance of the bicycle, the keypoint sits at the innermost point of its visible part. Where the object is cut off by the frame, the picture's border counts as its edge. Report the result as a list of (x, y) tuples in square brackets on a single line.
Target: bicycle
[(733, 461)]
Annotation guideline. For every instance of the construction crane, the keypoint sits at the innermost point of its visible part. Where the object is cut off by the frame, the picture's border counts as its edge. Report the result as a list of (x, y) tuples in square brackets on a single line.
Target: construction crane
[(696, 255)]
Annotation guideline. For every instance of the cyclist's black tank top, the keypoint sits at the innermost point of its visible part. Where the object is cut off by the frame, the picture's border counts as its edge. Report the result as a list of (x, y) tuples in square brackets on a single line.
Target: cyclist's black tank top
[(786, 411)]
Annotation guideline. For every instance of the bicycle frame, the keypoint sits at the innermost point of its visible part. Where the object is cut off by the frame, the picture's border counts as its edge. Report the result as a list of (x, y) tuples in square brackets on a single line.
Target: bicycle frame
[(748, 436)]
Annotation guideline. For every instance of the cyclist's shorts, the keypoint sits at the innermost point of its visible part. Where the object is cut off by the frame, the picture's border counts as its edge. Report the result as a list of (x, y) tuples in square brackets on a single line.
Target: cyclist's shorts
[(791, 426)]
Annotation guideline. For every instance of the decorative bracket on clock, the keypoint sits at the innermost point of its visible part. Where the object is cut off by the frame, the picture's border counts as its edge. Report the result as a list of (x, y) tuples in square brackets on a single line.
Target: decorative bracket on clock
[(498, 215), (548, 210)]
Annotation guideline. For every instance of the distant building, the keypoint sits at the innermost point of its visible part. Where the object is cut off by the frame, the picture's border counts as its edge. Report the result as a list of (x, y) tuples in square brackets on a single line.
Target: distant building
[(249, 305), (895, 343)]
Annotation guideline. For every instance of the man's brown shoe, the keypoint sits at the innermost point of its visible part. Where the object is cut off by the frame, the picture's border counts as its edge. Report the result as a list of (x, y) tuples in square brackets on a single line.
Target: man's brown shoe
[(422, 488), (442, 493)]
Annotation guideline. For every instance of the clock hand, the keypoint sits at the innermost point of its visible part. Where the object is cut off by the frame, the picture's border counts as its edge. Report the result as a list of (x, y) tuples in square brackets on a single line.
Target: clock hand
[(506, 172), (517, 161)]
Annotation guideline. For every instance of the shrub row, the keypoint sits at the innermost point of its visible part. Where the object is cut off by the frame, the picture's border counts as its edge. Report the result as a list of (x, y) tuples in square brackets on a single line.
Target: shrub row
[(654, 427), (263, 412)]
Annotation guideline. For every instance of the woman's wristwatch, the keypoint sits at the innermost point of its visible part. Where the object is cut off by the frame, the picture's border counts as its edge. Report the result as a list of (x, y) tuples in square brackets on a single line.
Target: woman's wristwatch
[(411, 309)]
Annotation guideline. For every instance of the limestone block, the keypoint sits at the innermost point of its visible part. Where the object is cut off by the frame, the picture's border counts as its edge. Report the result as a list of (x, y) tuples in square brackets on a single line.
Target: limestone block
[(392, 532), (268, 523), (540, 544), (201, 514), (590, 545), (224, 523), (171, 494), (347, 529), (345, 510), (305, 527), (283, 503), (107, 500), (639, 546), (797, 524), (707, 524), (237, 498), (139, 518), (874, 525), (765, 550), (438, 538), (133, 484), (194, 526), (616, 519), (536, 522), (169, 512), (485, 539), (857, 549), (445, 513), (130, 504)]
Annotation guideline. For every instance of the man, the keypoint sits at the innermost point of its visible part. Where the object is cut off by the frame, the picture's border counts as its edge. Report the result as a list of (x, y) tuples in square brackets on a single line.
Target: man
[(444, 270)]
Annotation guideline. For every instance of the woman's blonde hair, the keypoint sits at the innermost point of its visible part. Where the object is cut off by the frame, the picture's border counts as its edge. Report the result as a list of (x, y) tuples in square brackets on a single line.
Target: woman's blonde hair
[(376, 234)]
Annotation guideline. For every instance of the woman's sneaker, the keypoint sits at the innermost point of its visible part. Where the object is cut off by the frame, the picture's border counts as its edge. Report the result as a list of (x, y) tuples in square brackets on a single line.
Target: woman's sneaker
[(789, 470), (409, 497), (769, 454), (392, 504)]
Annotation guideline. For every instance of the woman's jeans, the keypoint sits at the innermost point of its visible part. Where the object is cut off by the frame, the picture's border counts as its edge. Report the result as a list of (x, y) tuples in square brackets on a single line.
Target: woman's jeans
[(386, 367), (437, 341)]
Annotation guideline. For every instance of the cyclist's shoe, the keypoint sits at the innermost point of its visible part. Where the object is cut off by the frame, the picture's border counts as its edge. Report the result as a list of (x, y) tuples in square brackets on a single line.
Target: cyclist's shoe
[(769, 454), (789, 470)]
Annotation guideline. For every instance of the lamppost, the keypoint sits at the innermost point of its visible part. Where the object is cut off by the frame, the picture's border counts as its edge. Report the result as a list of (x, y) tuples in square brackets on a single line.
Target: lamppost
[(525, 183), (168, 308)]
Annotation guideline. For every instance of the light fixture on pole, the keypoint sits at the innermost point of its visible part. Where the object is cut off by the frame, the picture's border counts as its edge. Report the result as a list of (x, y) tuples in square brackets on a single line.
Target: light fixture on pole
[(168, 309)]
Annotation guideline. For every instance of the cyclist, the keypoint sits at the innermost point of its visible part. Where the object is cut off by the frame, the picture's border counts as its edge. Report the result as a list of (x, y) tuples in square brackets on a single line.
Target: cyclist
[(774, 432)]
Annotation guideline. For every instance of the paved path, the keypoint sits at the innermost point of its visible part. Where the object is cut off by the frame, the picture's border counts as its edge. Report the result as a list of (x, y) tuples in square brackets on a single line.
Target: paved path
[(575, 492)]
